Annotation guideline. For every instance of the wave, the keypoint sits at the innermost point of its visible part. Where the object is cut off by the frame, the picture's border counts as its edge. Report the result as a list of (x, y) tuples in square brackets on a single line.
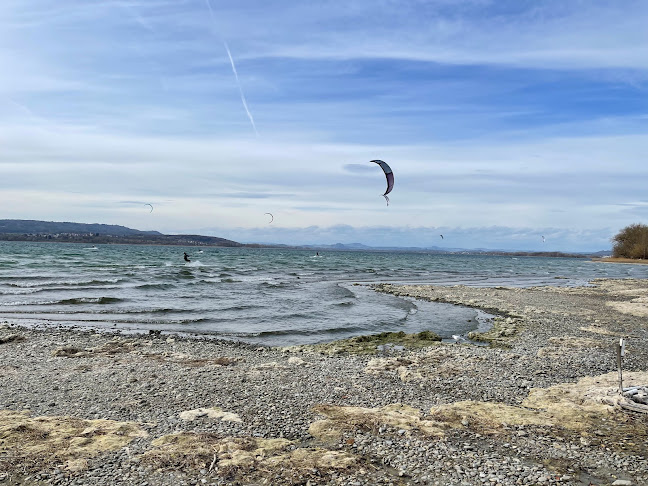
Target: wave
[(63, 283), (74, 301), (31, 290), (275, 285), (240, 307), (160, 286), (345, 292), (196, 263)]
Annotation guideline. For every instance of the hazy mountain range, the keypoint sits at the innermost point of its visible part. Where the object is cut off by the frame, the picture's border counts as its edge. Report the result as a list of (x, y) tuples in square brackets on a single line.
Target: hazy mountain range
[(33, 230)]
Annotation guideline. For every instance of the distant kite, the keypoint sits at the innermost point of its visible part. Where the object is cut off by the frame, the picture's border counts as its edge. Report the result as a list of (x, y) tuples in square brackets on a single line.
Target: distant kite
[(441, 236), (271, 217), (543, 239), (389, 175), (147, 204)]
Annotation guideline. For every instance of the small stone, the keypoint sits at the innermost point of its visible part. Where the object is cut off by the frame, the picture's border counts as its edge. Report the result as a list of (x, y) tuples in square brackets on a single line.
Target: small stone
[(622, 482)]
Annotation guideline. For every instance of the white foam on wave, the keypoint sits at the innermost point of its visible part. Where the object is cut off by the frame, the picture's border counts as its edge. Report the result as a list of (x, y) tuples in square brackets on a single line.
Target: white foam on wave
[(21, 291), (196, 263)]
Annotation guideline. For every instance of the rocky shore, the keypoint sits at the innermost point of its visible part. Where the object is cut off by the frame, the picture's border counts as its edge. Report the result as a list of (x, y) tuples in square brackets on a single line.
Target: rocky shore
[(537, 406)]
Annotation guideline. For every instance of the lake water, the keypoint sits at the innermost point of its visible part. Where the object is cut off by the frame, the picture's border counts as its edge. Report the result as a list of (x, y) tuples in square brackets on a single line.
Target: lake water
[(266, 296)]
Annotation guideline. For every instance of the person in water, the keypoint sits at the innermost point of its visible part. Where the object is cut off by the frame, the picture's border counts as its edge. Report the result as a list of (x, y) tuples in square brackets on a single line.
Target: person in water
[(186, 257)]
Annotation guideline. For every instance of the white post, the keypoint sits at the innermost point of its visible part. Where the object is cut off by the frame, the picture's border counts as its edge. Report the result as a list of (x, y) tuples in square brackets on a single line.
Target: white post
[(620, 348)]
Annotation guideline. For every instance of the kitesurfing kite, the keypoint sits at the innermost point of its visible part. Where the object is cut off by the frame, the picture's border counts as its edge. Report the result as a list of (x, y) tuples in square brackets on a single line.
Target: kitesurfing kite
[(271, 217), (147, 204), (543, 239), (441, 236), (389, 175)]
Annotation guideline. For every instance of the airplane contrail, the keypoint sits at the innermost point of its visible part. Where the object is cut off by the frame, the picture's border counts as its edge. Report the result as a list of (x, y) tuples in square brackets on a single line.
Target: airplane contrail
[(238, 82)]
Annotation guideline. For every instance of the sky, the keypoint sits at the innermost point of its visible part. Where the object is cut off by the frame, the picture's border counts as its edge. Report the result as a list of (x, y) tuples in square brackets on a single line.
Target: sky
[(503, 121)]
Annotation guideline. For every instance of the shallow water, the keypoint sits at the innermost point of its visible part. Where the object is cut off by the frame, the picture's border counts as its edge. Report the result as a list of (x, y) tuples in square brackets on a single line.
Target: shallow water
[(268, 296)]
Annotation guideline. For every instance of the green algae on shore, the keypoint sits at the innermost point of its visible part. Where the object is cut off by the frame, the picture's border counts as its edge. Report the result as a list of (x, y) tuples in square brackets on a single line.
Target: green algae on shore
[(370, 344), (500, 334)]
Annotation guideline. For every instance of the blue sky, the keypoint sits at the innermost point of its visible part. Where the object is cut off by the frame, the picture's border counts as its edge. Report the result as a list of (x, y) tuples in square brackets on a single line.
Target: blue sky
[(503, 121)]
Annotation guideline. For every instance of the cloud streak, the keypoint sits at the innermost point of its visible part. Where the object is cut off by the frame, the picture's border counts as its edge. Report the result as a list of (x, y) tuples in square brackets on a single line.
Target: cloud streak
[(238, 81)]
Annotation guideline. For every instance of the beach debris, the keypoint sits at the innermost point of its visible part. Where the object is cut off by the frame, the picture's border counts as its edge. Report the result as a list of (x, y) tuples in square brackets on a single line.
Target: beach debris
[(379, 365), (271, 217), (248, 458), (403, 366), (40, 442), (294, 360), (633, 398), (71, 352), (212, 413), (12, 338), (389, 175), (389, 348), (112, 347)]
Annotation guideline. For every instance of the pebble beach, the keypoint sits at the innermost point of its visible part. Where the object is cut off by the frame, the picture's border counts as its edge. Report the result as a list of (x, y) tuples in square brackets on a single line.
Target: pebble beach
[(535, 406)]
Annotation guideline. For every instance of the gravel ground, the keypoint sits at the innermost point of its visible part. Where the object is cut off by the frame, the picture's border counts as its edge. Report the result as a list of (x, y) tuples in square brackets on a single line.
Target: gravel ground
[(546, 336)]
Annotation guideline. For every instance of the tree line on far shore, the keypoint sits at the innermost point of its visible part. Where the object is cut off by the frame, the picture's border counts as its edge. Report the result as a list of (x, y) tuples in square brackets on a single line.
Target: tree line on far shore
[(631, 242)]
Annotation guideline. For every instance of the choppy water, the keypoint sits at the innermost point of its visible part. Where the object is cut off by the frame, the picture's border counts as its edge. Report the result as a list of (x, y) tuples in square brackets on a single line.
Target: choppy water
[(267, 296)]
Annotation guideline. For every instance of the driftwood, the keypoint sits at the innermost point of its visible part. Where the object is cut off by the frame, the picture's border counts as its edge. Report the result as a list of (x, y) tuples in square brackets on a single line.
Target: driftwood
[(11, 338), (633, 406)]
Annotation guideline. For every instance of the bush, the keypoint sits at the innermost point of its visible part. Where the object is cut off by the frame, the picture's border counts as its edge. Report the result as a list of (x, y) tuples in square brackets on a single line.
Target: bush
[(631, 242)]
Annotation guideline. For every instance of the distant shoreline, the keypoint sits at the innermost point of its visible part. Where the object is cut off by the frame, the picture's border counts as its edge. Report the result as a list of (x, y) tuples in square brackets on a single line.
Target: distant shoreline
[(621, 260), (199, 241)]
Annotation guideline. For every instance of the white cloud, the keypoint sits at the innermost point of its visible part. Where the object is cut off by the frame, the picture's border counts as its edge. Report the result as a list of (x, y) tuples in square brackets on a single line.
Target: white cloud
[(231, 183)]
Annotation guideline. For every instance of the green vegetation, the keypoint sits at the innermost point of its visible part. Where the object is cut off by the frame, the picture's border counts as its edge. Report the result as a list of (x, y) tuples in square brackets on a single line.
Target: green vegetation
[(370, 344), (631, 242)]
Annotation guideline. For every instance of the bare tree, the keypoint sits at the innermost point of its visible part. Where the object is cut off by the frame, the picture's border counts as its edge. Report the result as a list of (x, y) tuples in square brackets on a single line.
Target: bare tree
[(631, 242)]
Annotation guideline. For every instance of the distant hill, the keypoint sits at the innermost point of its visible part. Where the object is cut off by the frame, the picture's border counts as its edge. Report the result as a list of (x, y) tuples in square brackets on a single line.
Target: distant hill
[(455, 251), (31, 230), (52, 227)]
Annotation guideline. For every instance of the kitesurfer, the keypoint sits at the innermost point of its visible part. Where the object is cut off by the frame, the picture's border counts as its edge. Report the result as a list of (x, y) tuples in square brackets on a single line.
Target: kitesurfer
[(186, 257)]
